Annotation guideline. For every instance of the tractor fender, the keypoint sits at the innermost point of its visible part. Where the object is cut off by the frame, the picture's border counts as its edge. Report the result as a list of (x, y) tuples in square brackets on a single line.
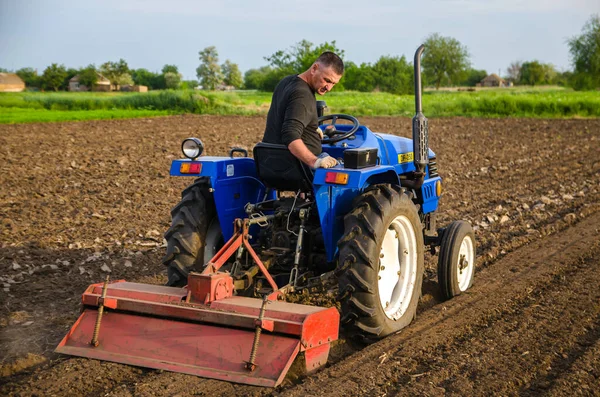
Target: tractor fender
[(334, 201), (233, 182), (387, 177), (360, 178)]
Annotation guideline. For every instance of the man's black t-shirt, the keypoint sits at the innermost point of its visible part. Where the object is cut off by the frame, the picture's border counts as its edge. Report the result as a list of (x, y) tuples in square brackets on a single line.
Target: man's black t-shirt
[(293, 115)]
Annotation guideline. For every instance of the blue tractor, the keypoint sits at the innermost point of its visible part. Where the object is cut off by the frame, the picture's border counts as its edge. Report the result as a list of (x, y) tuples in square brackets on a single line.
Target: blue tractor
[(365, 223), (272, 228)]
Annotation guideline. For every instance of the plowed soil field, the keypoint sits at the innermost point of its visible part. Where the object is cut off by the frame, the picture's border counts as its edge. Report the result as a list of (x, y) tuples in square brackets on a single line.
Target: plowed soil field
[(82, 200)]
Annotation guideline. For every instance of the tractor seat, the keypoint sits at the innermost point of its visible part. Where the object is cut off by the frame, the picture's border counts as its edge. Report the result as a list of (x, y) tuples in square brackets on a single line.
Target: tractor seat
[(279, 169)]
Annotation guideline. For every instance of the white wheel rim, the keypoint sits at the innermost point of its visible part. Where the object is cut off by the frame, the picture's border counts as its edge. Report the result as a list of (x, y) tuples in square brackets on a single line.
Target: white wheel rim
[(398, 261), (465, 263)]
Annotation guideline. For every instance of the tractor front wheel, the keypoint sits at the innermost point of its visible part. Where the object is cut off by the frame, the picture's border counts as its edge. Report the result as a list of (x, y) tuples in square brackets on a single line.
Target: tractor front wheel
[(380, 268), (456, 261), (195, 234)]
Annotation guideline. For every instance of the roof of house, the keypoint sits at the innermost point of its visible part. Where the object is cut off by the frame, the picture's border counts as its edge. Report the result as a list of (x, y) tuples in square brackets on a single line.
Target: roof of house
[(101, 79), (494, 77), (10, 78)]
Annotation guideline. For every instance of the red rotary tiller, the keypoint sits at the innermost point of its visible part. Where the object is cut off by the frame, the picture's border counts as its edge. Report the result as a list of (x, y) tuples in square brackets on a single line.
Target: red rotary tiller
[(203, 329)]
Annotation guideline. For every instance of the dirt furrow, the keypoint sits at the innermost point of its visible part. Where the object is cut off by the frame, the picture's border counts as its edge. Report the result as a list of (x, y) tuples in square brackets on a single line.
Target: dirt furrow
[(569, 358), (159, 383), (581, 375)]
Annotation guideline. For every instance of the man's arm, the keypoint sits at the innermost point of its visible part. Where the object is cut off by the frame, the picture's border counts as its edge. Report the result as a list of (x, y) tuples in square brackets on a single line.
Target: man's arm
[(296, 119), (299, 149)]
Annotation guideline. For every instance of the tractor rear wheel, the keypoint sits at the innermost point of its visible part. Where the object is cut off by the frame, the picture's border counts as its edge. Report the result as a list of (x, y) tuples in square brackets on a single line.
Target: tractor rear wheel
[(380, 268), (456, 261), (195, 234)]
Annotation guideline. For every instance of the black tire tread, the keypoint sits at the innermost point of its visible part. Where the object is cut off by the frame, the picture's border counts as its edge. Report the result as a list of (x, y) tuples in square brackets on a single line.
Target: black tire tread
[(358, 263), (187, 234)]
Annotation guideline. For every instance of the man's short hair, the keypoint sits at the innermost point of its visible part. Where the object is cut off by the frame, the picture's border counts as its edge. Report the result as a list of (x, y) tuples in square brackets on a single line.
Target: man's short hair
[(331, 60)]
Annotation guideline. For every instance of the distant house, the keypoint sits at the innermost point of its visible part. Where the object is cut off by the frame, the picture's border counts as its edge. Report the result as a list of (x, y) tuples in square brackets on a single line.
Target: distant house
[(102, 84), (493, 80), (224, 87), (134, 88), (10, 82)]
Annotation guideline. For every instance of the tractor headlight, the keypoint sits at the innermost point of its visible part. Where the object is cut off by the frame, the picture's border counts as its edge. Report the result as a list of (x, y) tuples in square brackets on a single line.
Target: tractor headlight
[(192, 148)]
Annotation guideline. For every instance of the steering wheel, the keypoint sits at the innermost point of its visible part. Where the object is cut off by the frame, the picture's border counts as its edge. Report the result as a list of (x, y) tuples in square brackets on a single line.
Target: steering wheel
[(331, 132)]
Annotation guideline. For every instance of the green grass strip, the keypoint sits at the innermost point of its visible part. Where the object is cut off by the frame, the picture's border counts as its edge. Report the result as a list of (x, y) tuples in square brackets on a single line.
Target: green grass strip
[(16, 115), (548, 102)]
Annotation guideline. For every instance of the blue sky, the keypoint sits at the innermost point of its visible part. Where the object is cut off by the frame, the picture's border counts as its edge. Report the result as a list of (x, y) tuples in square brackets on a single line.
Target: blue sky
[(151, 33)]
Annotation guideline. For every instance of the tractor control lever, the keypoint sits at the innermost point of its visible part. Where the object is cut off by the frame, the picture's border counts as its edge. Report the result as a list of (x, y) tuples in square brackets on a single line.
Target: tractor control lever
[(330, 130), (294, 273)]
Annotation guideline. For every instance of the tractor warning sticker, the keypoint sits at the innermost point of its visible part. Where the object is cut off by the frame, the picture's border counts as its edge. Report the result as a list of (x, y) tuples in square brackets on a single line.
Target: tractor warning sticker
[(406, 157), (230, 170)]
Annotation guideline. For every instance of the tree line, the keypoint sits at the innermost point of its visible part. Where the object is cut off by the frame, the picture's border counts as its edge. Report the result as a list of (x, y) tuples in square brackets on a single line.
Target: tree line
[(56, 77), (446, 62)]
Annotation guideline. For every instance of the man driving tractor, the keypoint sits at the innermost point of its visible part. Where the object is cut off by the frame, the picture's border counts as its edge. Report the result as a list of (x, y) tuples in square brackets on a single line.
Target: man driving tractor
[(292, 118)]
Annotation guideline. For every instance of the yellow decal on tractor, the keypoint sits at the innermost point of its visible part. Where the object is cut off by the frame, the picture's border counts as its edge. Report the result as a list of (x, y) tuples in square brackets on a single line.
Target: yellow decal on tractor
[(406, 157)]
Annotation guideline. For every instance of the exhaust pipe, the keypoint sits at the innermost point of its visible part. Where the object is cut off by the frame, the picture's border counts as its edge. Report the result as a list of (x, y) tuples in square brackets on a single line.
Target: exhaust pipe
[(420, 133)]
